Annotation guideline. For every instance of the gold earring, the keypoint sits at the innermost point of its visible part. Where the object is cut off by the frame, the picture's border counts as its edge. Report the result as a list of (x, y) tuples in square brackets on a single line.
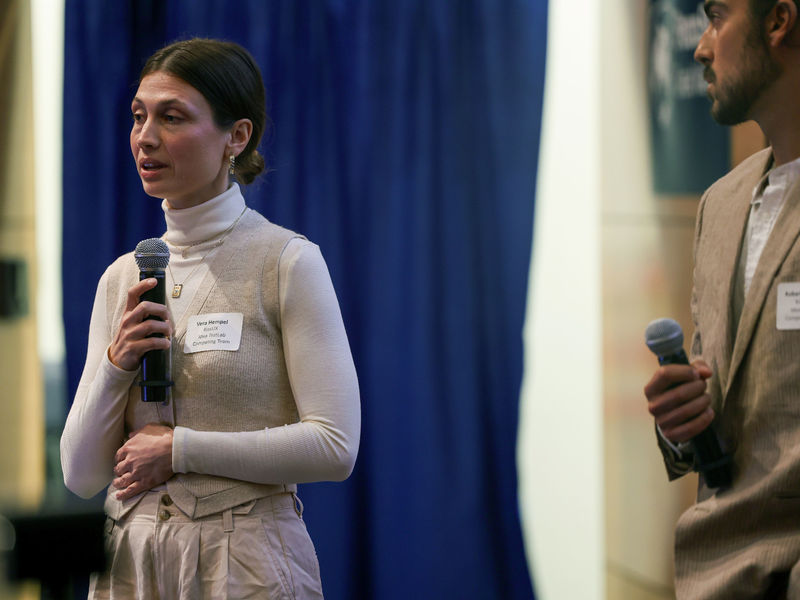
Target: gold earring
[(232, 168)]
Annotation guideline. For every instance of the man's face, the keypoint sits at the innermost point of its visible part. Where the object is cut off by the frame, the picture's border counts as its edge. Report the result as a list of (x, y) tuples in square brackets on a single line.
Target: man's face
[(738, 66)]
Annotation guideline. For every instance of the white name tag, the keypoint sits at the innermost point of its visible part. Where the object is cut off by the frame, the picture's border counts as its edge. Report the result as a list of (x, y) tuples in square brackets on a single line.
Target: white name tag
[(213, 331), (788, 316)]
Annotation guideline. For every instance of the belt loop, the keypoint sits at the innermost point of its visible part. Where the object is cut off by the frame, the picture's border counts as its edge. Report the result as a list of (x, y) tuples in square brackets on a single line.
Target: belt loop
[(298, 505), (227, 520)]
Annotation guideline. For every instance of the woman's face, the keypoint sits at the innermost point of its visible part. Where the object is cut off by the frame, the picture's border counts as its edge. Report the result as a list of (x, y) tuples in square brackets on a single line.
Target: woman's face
[(180, 153)]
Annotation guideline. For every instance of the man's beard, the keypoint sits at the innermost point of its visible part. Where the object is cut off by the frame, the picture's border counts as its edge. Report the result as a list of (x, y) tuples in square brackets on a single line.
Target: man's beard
[(732, 101)]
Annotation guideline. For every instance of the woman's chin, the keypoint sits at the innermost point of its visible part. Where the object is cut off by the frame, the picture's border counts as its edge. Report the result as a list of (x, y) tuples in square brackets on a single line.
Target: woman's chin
[(156, 190)]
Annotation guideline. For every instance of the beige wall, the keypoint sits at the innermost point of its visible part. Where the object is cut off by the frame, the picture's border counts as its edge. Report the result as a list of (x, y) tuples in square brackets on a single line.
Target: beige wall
[(646, 274), (21, 393), (21, 409)]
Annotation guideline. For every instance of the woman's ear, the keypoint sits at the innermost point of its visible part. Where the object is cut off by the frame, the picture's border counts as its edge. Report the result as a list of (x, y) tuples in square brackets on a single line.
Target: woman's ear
[(240, 136)]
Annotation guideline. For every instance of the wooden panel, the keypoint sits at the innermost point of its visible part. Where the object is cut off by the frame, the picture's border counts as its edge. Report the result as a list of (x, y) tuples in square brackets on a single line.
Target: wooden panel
[(21, 388)]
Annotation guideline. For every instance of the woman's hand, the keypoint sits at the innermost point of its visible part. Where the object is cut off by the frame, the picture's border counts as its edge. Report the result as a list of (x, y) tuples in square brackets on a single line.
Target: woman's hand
[(144, 461), (131, 341)]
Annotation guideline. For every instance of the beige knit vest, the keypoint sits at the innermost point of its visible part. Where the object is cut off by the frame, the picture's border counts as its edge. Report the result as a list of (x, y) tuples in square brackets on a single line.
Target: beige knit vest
[(220, 390)]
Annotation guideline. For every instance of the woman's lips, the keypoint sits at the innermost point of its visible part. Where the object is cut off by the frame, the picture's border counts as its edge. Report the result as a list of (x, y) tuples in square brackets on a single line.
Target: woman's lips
[(150, 169)]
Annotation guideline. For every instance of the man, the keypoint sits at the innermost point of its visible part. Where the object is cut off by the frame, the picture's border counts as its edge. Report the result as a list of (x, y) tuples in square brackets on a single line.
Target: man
[(743, 541)]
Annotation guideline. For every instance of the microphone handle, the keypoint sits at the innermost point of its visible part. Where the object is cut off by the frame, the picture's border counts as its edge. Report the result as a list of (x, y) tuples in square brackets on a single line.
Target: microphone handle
[(710, 460), (156, 373)]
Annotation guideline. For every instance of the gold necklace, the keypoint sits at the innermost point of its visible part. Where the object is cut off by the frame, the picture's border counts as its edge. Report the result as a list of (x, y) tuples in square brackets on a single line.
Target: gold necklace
[(177, 288), (185, 249)]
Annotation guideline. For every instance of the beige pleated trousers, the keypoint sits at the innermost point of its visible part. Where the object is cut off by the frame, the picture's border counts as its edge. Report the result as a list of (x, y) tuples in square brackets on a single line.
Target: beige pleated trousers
[(258, 550)]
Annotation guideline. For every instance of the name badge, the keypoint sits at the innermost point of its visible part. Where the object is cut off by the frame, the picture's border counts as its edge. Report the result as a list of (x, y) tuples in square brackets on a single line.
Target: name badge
[(788, 316), (213, 331)]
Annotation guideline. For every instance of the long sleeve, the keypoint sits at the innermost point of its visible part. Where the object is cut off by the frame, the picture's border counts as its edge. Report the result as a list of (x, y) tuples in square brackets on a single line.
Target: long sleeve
[(94, 429), (324, 443)]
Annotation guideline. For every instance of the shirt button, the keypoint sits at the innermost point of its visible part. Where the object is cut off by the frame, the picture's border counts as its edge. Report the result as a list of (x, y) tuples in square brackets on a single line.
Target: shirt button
[(166, 500), (164, 515)]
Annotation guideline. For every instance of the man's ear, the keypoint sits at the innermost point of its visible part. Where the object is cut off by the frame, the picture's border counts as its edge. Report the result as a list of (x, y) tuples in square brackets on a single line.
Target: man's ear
[(240, 135), (782, 26)]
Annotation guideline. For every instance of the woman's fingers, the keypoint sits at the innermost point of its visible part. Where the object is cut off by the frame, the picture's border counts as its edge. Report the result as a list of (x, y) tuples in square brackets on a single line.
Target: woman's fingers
[(136, 290), (144, 326)]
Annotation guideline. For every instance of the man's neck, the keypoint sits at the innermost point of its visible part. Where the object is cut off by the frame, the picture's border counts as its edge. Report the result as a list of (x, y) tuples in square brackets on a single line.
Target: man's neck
[(785, 150), (779, 119), (783, 138)]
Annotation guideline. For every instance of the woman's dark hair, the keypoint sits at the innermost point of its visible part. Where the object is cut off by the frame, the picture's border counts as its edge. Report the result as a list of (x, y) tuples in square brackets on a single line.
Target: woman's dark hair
[(230, 81)]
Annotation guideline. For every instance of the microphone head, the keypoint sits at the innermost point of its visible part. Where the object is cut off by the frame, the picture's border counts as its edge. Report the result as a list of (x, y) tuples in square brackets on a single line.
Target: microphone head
[(152, 254), (664, 337)]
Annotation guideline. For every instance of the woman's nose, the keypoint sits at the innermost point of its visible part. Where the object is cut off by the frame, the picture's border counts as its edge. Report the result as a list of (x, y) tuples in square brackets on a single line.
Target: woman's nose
[(147, 136)]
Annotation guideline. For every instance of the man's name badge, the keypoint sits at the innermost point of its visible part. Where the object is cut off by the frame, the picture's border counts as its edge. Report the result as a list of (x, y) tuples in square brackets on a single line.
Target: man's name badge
[(788, 313), (213, 331)]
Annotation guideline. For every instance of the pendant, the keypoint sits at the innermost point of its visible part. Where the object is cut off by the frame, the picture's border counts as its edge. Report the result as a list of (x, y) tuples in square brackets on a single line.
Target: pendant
[(176, 290)]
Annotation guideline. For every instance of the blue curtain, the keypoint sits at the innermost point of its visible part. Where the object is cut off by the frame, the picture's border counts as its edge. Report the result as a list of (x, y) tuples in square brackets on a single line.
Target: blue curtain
[(405, 144)]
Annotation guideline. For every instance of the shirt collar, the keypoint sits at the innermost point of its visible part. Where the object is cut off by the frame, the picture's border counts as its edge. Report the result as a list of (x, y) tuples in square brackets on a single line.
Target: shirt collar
[(782, 176)]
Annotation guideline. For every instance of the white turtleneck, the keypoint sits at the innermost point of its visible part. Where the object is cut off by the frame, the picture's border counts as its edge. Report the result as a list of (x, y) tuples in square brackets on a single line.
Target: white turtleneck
[(319, 364), (206, 223)]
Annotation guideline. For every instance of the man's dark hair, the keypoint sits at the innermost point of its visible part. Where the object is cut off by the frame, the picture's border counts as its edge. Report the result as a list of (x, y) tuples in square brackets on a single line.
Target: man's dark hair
[(760, 8)]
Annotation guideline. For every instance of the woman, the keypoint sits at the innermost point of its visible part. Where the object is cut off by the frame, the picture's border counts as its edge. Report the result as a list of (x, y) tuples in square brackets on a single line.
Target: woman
[(202, 501)]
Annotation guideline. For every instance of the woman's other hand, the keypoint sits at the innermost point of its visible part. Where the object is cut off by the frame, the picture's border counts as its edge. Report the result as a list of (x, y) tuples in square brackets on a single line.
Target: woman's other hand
[(144, 461)]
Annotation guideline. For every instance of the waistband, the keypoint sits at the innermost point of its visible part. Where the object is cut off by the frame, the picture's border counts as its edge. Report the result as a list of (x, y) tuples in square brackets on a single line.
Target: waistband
[(159, 506), (196, 506)]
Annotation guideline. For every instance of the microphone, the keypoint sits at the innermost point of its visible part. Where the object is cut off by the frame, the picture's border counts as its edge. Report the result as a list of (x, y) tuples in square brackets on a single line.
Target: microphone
[(664, 337), (152, 257)]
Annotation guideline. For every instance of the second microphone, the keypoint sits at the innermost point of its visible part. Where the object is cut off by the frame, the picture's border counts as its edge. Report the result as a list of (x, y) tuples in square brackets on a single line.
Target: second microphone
[(664, 337)]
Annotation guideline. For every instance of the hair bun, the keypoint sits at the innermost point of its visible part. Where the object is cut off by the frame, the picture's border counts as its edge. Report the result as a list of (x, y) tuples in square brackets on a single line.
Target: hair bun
[(249, 167)]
